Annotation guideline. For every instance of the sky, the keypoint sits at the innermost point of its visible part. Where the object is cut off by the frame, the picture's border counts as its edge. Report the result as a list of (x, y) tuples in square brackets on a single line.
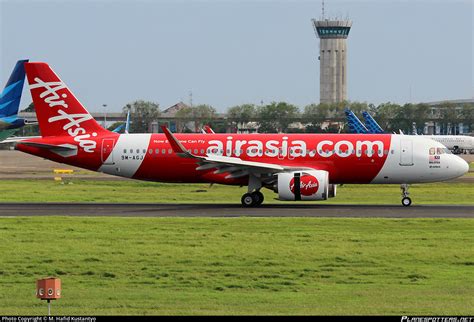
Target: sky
[(232, 52)]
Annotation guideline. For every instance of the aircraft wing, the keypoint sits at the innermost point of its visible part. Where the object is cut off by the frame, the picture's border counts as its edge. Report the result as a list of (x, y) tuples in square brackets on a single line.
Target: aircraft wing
[(236, 167), (6, 134)]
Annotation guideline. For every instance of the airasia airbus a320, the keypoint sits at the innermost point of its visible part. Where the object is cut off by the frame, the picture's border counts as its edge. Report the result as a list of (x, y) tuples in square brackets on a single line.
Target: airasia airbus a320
[(295, 166)]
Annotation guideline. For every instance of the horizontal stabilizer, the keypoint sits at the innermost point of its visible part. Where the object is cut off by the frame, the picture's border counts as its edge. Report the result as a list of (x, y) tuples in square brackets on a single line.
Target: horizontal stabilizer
[(64, 150)]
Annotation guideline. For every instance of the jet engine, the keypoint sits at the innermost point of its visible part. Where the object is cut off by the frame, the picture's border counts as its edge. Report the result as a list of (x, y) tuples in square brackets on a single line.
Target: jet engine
[(305, 185)]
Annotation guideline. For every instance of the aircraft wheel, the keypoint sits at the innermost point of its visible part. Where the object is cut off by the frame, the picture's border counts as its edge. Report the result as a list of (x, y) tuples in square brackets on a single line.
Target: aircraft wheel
[(258, 198), (248, 200), (406, 201)]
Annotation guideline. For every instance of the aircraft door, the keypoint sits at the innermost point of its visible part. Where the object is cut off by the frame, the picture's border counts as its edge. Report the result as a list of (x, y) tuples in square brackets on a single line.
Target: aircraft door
[(406, 152), (107, 151)]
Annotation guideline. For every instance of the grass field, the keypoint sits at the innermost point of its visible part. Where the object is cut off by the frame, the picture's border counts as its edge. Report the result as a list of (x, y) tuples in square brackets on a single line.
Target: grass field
[(235, 265), (239, 265), (136, 191)]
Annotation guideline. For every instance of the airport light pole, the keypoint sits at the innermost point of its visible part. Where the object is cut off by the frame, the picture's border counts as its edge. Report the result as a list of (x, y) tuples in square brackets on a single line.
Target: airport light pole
[(105, 115)]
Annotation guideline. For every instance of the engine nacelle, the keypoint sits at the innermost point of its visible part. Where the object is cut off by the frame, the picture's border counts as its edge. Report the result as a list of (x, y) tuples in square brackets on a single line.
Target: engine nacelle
[(304, 185)]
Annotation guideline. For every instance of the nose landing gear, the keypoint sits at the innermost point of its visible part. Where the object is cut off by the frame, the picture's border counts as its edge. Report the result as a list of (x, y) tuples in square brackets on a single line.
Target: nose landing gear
[(406, 201)]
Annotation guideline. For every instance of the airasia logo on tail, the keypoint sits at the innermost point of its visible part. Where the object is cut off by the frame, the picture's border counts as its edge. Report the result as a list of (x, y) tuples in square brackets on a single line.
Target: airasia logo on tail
[(309, 185), (73, 126)]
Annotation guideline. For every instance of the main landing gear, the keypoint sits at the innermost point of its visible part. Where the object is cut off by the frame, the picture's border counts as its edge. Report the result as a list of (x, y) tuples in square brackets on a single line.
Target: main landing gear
[(252, 199), (406, 201)]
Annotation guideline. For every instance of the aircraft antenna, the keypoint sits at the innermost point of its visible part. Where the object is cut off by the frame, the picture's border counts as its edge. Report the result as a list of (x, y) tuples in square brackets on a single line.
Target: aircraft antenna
[(322, 6)]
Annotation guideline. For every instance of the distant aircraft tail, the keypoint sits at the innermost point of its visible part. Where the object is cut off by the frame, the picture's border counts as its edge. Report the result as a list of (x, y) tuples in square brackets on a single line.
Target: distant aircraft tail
[(208, 130), (11, 95), (371, 124), (355, 125), (127, 123), (57, 109)]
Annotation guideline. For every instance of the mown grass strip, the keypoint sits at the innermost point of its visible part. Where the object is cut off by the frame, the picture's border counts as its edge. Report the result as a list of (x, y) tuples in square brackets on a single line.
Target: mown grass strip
[(239, 265)]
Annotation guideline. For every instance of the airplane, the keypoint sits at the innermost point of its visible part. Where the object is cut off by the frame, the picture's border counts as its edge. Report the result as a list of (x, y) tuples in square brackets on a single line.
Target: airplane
[(355, 125), (455, 143), (304, 167), (371, 124), (10, 102), (126, 125), (207, 129)]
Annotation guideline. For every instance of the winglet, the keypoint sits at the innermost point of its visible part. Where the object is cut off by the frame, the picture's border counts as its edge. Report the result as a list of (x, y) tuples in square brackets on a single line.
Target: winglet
[(177, 147)]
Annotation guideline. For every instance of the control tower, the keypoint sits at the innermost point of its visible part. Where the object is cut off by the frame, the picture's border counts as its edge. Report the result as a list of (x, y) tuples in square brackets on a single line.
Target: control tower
[(332, 57)]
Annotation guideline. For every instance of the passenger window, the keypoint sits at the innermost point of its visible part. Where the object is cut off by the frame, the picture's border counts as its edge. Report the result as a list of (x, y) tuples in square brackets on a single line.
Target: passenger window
[(163, 151), (157, 151), (170, 151), (440, 151), (144, 150), (125, 151), (150, 151), (432, 151), (131, 150)]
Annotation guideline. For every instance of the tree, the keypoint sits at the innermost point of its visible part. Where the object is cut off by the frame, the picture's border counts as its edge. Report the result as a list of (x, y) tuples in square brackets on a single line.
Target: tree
[(276, 117), (421, 113), (30, 108), (201, 115), (385, 116), (314, 115), (241, 114), (449, 117), (142, 114)]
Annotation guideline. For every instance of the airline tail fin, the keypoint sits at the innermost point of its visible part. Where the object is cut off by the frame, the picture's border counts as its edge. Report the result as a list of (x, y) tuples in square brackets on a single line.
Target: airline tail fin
[(11, 95), (355, 125), (127, 123), (57, 109), (371, 124), (208, 130)]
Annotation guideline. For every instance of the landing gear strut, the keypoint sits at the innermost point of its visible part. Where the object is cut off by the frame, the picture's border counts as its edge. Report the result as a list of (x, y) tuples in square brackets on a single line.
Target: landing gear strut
[(252, 199), (406, 201)]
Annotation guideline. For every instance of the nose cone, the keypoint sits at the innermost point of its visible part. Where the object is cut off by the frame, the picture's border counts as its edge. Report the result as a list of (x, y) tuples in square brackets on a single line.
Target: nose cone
[(461, 167)]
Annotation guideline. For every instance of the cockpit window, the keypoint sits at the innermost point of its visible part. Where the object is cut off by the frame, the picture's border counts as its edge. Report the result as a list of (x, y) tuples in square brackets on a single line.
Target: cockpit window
[(439, 151)]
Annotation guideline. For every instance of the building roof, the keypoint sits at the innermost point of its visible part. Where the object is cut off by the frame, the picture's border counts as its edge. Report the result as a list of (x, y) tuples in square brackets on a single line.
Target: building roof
[(453, 102), (172, 110)]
